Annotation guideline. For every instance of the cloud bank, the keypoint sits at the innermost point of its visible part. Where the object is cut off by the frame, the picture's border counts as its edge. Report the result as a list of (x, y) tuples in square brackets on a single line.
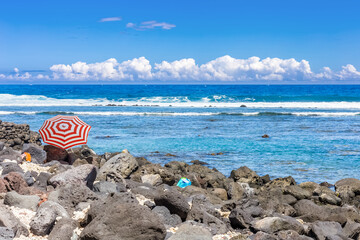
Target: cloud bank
[(222, 69)]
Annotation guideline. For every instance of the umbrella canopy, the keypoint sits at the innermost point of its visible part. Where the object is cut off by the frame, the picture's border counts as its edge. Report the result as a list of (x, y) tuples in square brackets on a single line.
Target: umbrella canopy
[(65, 131)]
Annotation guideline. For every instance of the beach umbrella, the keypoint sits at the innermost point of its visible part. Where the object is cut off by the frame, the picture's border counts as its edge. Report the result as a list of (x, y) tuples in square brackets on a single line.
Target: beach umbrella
[(65, 131)]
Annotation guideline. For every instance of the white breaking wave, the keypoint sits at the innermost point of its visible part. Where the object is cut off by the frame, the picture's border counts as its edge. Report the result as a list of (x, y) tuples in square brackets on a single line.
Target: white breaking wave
[(326, 114), (109, 113), (184, 102)]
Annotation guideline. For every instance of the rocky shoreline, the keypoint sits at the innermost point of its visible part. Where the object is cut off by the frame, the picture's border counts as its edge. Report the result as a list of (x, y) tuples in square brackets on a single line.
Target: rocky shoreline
[(77, 194)]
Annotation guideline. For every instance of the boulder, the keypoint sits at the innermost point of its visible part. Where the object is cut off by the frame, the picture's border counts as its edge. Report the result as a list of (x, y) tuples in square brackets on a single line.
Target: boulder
[(147, 191), (353, 183), (199, 162), (79, 162), (310, 212), (45, 217), (208, 178), (29, 178), (118, 167), (6, 233), (8, 220), (97, 207), (15, 182), (220, 193), (83, 152), (70, 195), (239, 218), (21, 201), (41, 181), (347, 189), (8, 167), (166, 174), (272, 199), (55, 153), (191, 191), (35, 151), (281, 182), (3, 185), (205, 216), (298, 192), (309, 186), (291, 235), (263, 236), (10, 154), (84, 174), (108, 187), (326, 230), (193, 232), (276, 224), (235, 191), (152, 179), (174, 201), (57, 167), (63, 229), (177, 167), (142, 161), (246, 175), (124, 221), (166, 217), (330, 199), (352, 229)]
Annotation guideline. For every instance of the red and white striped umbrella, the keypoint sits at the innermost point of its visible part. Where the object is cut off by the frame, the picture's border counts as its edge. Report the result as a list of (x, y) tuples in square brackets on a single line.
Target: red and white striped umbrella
[(65, 131)]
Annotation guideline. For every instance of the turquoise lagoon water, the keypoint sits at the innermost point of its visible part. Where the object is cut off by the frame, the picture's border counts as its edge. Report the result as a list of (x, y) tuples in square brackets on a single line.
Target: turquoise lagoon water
[(314, 130)]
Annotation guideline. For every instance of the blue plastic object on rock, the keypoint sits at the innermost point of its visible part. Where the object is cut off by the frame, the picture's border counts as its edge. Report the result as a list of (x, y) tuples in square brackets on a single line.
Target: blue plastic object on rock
[(184, 182)]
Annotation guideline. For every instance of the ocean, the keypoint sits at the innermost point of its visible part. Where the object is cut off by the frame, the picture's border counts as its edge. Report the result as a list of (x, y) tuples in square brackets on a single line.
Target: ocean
[(314, 129)]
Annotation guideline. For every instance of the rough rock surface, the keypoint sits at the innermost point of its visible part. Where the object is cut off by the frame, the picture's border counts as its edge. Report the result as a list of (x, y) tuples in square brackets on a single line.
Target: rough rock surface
[(6, 233), (118, 167), (327, 230), (193, 232), (37, 153), (7, 153), (8, 167), (15, 135), (166, 217), (45, 217), (276, 224), (8, 220), (55, 154), (22, 201), (125, 221), (63, 229), (70, 195), (152, 179), (84, 174), (174, 201)]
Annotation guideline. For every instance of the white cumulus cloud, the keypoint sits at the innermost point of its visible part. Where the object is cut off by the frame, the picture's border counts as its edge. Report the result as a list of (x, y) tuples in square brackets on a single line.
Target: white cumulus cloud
[(111, 69), (110, 19), (150, 25), (222, 69), (18, 75), (226, 69)]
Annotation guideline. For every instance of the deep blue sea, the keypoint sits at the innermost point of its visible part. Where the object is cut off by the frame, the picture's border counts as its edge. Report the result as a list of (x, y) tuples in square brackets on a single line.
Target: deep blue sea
[(314, 130)]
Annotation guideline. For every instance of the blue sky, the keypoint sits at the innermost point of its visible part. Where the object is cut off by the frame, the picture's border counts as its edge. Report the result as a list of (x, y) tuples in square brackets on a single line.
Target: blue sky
[(35, 35)]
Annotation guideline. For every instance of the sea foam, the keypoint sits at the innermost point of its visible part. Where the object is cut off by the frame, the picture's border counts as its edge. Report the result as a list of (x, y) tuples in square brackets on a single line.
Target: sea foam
[(118, 113), (183, 102)]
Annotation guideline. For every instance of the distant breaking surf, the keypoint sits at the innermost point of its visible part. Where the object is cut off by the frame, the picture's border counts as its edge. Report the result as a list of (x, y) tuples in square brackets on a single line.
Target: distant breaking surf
[(183, 102), (109, 113)]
